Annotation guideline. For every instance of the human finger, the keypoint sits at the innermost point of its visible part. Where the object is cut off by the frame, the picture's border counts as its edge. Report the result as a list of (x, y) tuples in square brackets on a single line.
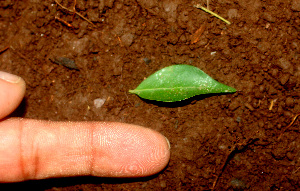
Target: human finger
[(12, 90), (31, 149)]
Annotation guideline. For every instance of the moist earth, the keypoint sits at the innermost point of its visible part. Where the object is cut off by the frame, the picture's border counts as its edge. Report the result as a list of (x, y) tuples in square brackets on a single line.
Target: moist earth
[(80, 66)]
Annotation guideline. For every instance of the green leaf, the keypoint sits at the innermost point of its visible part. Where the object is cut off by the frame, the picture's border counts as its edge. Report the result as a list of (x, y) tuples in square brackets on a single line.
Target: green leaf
[(179, 82)]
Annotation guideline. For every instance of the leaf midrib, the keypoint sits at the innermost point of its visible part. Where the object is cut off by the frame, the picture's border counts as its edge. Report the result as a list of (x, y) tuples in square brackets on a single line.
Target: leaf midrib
[(166, 88)]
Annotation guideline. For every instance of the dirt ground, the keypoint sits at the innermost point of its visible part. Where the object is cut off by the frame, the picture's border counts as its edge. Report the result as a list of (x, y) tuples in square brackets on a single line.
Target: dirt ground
[(238, 141)]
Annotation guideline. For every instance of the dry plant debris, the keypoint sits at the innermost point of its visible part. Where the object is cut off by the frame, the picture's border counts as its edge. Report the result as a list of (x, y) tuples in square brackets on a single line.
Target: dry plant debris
[(74, 12)]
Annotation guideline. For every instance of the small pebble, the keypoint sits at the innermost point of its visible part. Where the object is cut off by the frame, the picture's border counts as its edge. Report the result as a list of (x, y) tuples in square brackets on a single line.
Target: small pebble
[(274, 72), (261, 123), (272, 90), (99, 102), (284, 78), (290, 102), (127, 39), (223, 147), (284, 63), (234, 105), (163, 184), (147, 60), (238, 119), (66, 62), (264, 46), (269, 17), (237, 184), (249, 106), (290, 156), (232, 13), (287, 114), (295, 5), (261, 88)]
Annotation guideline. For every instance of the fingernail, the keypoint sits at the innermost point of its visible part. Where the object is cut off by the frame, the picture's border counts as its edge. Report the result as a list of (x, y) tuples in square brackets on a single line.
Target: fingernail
[(168, 142), (9, 77)]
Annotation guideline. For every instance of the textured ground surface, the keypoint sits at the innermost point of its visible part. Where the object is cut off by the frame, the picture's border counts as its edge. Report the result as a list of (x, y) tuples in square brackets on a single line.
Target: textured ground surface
[(230, 140)]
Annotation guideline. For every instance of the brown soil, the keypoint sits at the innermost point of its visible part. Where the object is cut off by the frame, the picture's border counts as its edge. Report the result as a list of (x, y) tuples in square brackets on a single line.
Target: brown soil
[(229, 140)]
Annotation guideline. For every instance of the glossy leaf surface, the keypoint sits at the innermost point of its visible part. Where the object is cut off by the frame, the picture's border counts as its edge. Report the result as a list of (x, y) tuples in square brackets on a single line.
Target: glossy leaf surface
[(179, 82)]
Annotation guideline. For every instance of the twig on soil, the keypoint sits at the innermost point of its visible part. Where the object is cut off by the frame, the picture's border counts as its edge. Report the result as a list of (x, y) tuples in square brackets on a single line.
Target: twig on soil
[(293, 120), (197, 34), (296, 170), (236, 149), (121, 43), (75, 12), (64, 22), (271, 105), (4, 49), (212, 13), (74, 9)]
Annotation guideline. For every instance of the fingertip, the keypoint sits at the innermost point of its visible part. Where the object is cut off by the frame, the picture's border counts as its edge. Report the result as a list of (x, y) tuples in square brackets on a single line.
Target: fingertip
[(158, 156), (12, 90), (138, 151), (163, 153)]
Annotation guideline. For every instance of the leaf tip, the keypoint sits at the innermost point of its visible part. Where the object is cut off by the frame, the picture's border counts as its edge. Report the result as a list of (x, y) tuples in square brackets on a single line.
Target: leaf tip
[(230, 90)]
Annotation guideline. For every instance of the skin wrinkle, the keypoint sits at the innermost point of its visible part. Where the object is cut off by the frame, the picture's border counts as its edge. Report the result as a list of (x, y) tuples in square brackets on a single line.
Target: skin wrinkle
[(36, 160), (100, 147), (93, 150), (35, 148), (30, 170), (21, 134), (32, 146)]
